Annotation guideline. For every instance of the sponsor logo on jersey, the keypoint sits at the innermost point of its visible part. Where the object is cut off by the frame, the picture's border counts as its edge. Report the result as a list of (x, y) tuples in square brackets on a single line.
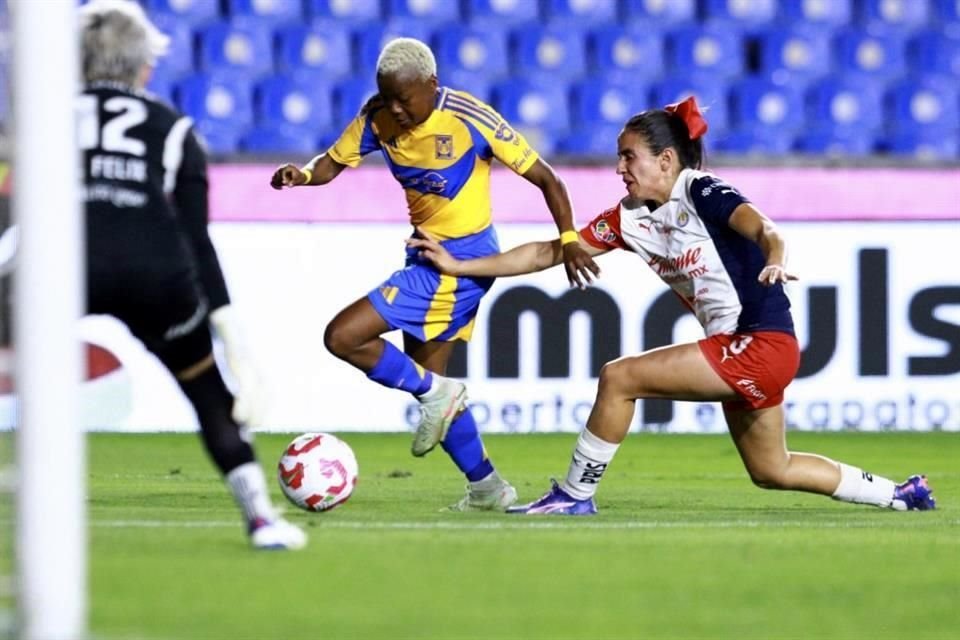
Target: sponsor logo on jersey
[(444, 146)]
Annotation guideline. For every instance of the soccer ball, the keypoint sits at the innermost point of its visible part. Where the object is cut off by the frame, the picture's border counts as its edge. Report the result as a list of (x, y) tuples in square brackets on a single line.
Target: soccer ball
[(317, 471)]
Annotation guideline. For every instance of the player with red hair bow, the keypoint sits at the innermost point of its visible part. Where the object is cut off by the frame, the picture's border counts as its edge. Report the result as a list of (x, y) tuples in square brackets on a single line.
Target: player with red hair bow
[(727, 262)]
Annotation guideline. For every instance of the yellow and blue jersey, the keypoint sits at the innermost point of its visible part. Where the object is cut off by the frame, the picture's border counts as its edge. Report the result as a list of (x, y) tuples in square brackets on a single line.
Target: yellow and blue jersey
[(443, 164)]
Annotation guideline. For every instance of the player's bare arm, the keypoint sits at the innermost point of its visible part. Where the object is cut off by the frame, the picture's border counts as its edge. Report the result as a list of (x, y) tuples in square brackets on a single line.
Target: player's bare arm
[(580, 267), (319, 171), (749, 222)]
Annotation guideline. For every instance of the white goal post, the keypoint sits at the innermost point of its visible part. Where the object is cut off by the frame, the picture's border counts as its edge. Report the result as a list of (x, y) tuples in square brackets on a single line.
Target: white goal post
[(51, 534)]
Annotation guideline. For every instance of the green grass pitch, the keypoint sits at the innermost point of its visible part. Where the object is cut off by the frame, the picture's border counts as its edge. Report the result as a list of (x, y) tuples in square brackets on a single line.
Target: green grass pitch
[(684, 547)]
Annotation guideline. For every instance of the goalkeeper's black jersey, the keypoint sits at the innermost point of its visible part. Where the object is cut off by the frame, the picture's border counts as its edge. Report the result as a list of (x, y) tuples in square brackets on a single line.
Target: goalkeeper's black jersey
[(144, 172)]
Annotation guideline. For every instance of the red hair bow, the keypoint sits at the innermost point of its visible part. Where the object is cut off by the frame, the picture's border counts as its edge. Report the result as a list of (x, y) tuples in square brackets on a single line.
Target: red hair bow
[(689, 112)]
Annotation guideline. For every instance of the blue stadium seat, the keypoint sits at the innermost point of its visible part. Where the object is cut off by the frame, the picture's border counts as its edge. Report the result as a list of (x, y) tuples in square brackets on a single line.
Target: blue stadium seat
[(548, 52), (597, 141), (215, 98), (194, 13), (947, 14), (924, 104), (286, 140), (478, 85), (496, 13), (662, 14), (743, 14), (789, 54), (581, 13), (344, 12), (271, 12), (897, 16), (711, 96), (760, 104), (935, 52), (526, 104), (311, 50), (598, 102), (767, 141), (626, 53), (718, 53), (433, 12), (161, 84), (348, 97), (370, 40), (240, 49), (281, 101), (835, 142), (818, 15), (929, 145), (845, 102), (179, 58), (218, 137), (858, 51), (460, 48)]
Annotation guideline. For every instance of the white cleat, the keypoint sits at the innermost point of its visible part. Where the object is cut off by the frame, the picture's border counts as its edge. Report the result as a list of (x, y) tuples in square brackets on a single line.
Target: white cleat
[(437, 413), (277, 535), (497, 498)]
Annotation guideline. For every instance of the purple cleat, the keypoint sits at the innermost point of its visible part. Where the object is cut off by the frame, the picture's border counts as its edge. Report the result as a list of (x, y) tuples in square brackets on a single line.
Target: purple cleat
[(914, 495), (557, 502)]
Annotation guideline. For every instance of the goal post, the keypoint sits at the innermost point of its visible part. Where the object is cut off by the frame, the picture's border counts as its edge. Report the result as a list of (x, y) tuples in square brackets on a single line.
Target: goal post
[(51, 529)]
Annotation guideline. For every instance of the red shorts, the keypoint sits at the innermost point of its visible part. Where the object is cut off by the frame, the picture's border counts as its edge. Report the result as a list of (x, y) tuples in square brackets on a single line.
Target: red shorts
[(758, 366)]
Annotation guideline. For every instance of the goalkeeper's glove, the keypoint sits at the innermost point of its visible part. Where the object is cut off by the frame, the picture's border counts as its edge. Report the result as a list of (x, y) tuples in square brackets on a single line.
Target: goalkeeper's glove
[(249, 404)]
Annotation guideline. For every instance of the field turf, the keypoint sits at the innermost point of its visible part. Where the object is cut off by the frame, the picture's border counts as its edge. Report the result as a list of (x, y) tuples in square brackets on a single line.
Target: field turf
[(684, 547)]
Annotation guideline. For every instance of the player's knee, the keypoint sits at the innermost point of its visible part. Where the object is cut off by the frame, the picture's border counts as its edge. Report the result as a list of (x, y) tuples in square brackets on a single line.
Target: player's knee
[(614, 378), (336, 338), (768, 477)]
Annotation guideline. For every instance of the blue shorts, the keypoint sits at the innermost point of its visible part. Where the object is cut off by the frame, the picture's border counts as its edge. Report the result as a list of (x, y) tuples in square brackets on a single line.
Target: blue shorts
[(428, 305)]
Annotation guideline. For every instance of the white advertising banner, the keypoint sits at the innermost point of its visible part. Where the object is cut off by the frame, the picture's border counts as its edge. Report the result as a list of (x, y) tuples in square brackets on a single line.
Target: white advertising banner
[(877, 312)]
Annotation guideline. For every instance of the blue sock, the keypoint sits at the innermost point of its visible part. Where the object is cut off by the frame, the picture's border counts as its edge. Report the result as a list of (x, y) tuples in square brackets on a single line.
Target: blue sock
[(464, 446), (397, 370)]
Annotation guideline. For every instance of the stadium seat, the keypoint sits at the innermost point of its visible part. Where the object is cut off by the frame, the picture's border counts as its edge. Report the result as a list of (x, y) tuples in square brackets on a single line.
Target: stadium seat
[(287, 140), (313, 51), (845, 102), (238, 49), (548, 52), (432, 12), (270, 12), (710, 51), (858, 51), (740, 14), (934, 51), (472, 50), (761, 104), (476, 84), (599, 102), (497, 13), (625, 53), (215, 98), (924, 104), (193, 13), (711, 97), (344, 12), (766, 141), (532, 105), (370, 40), (817, 15), (835, 142), (790, 55), (161, 84), (348, 97), (896, 16), (179, 58), (284, 102), (596, 141), (581, 13), (947, 14), (662, 14), (218, 137), (931, 145)]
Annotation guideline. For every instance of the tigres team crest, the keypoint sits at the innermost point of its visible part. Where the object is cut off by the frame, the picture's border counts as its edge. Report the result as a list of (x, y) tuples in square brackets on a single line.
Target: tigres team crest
[(444, 146)]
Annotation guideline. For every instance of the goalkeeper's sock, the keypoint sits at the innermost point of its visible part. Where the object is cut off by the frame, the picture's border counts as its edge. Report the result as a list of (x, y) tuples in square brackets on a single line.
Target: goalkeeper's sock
[(590, 459), (225, 441), (249, 488), (397, 370), (464, 446), (856, 485)]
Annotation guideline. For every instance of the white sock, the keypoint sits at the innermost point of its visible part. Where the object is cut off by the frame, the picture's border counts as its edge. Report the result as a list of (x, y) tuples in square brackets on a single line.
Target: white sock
[(856, 485), (434, 387), (590, 459), (249, 488)]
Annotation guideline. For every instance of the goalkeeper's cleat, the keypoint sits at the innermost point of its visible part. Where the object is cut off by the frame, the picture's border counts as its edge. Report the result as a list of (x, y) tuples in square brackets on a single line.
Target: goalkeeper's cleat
[(276, 535), (913, 495), (557, 502), (478, 498), (437, 413)]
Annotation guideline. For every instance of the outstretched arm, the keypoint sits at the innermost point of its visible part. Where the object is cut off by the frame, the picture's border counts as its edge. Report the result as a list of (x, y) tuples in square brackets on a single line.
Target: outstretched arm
[(753, 225), (320, 170)]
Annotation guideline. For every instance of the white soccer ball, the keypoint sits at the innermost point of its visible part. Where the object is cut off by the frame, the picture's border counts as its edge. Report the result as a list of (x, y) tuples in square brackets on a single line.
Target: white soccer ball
[(317, 471)]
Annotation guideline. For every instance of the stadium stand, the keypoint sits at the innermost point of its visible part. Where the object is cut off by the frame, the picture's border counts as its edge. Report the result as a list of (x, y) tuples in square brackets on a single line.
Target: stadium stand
[(852, 77)]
